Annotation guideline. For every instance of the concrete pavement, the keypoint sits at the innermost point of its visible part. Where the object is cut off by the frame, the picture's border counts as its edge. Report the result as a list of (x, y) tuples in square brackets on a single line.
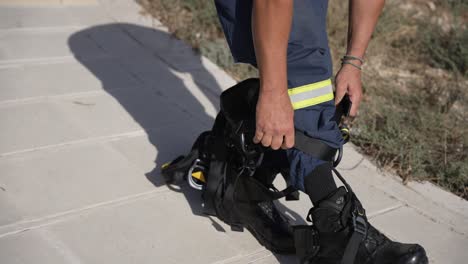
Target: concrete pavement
[(93, 99)]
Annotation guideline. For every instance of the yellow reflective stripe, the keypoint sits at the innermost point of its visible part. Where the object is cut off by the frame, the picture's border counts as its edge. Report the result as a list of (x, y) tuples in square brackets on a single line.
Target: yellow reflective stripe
[(311, 94), (313, 101), (309, 87)]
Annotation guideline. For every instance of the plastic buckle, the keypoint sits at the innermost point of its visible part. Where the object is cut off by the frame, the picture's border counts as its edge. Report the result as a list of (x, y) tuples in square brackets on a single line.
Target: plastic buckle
[(359, 224)]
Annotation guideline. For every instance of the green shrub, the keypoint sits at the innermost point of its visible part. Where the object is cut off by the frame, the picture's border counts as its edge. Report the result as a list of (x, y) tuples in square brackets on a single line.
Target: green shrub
[(446, 50)]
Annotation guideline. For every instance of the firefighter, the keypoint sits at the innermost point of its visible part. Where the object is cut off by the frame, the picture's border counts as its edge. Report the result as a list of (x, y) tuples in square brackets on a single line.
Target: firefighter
[(287, 41)]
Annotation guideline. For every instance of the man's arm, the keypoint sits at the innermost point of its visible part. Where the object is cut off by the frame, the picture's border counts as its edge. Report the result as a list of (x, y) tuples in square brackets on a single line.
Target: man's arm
[(363, 16), (271, 25)]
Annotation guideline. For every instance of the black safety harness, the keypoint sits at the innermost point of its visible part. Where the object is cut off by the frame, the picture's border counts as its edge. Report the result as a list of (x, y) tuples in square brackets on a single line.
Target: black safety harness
[(227, 158)]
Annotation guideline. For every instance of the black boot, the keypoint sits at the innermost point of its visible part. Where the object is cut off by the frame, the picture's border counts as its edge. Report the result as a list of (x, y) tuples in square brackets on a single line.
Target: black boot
[(345, 235)]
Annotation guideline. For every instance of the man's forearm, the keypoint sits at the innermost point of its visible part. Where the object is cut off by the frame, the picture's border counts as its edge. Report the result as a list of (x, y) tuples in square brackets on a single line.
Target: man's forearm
[(271, 24), (363, 16)]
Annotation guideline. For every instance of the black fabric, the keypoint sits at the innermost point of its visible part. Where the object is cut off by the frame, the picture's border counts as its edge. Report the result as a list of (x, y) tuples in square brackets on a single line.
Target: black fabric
[(249, 189), (217, 152), (320, 183), (239, 102), (178, 168), (238, 105), (306, 241), (351, 249), (314, 147)]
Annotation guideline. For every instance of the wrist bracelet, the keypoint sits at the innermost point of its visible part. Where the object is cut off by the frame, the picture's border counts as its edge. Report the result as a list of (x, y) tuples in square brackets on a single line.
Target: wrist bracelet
[(351, 57), (352, 64)]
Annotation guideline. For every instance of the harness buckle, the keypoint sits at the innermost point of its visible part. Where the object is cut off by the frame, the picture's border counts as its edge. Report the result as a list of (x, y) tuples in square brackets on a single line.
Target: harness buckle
[(359, 224)]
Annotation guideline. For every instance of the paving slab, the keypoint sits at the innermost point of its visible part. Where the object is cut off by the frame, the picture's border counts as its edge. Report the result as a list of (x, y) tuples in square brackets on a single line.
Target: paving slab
[(259, 256), (392, 186), (127, 12), (120, 235), (126, 165), (9, 214), (31, 247), (70, 119), (34, 180), (441, 197), (29, 3), (15, 46), (123, 111), (37, 81), (12, 17), (33, 125), (147, 65), (19, 17), (88, 15), (92, 110), (441, 244), (150, 152)]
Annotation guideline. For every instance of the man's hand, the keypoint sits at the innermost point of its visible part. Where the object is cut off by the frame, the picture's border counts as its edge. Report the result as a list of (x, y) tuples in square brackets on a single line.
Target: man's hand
[(348, 81), (363, 15), (274, 121)]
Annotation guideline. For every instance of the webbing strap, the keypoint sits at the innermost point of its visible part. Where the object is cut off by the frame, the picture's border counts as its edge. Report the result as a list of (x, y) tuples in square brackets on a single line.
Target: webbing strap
[(352, 248), (359, 225), (250, 190), (359, 234), (306, 241), (311, 94), (215, 177), (314, 147)]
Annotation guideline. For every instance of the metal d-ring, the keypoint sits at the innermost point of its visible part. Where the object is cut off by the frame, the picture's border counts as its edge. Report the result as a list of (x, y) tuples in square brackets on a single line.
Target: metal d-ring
[(197, 164)]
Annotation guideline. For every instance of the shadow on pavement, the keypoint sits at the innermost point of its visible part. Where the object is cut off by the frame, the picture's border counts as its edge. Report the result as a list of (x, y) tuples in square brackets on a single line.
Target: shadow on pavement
[(154, 93)]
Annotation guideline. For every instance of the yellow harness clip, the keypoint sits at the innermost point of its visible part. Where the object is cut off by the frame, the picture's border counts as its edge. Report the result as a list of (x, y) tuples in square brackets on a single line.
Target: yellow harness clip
[(199, 176)]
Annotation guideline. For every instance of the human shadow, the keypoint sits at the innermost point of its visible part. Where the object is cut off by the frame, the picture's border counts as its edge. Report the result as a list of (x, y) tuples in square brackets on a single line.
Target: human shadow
[(152, 76)]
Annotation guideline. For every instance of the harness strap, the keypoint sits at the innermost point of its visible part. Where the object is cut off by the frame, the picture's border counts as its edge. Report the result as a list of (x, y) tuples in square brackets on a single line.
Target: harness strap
[(215, 177), (250, 190), (306, 240), (359, 234), (314, 147), (359, 224)]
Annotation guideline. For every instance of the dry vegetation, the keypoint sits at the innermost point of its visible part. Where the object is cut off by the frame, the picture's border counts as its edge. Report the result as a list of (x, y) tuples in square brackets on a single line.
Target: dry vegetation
[(414, 119)]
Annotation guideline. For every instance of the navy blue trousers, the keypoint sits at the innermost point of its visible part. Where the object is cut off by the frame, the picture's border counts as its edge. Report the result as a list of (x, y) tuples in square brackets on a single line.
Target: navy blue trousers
[(308, 61)]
